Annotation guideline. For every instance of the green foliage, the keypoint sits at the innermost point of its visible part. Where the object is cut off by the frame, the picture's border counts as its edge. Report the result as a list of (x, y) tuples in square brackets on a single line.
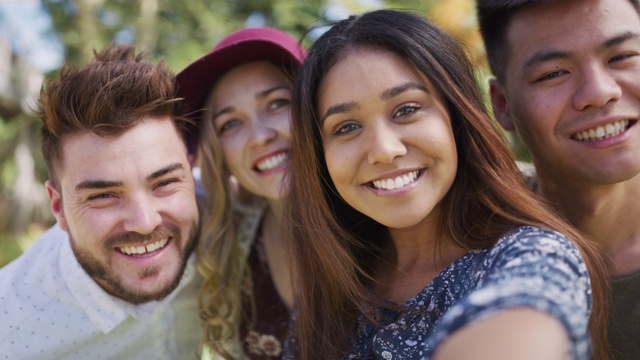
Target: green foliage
[(177, 31)]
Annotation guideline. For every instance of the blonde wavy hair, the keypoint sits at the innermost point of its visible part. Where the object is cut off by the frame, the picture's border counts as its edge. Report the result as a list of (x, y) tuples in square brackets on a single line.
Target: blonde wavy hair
[(221, 260)]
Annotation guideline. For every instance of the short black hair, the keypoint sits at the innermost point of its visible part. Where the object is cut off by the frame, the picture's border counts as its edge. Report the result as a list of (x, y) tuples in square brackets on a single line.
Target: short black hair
[(494, 17)]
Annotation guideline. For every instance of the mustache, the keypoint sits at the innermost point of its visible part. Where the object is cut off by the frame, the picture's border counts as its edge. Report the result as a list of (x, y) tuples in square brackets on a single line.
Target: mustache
[(128, 238)]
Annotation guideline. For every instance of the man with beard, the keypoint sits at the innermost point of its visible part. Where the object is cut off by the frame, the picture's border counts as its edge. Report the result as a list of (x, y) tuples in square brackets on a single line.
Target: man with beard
[(568, 81), (120, 283)]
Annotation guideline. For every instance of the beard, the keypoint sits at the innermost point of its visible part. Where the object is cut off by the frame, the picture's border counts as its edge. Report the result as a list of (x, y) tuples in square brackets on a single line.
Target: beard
[(102, 270)]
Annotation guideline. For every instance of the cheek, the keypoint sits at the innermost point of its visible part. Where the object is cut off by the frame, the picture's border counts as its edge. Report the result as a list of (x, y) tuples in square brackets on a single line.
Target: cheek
[(339, 165), (232, 151), (92, 225), (281, 123), (538, 109), (184, 207)]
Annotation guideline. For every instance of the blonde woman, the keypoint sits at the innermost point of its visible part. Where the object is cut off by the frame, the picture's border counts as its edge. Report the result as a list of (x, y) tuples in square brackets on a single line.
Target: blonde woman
[(240, 96)]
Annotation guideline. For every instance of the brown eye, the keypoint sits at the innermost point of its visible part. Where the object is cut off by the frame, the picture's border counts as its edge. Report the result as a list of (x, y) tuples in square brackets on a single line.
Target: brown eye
[(622, 57), (346, 128), (405, 110), (551, 75)]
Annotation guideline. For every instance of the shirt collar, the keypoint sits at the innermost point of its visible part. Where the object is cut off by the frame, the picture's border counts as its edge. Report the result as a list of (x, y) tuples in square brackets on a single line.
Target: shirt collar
[(104, 310)]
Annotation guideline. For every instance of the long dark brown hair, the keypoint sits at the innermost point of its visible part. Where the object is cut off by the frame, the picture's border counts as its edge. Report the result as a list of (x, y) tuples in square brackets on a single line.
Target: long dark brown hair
[(335, 246)]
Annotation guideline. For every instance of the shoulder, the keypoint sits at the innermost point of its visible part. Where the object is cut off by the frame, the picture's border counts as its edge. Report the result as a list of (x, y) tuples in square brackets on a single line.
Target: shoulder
[(539, 258), (535, 243), (41, 258), (31, 281), (531, 268)]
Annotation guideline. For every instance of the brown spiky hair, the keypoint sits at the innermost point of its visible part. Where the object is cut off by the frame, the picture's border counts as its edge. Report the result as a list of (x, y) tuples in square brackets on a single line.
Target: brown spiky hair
[(109, 95)]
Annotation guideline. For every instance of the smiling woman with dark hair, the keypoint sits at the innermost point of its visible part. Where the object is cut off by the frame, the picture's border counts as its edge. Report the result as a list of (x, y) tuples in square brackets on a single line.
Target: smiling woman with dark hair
[(413, 231)]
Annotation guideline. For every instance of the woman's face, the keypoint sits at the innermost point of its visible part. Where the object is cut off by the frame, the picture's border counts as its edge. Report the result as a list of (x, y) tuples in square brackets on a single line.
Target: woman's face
[(251, 106), (387, 137)]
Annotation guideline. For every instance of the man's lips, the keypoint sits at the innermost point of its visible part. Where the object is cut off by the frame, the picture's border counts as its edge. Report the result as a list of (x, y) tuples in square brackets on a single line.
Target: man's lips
[(143, 249), (603, 131)]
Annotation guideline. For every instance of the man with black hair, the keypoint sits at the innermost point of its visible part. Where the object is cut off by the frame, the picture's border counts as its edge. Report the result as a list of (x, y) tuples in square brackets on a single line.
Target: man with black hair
[(568, 82)]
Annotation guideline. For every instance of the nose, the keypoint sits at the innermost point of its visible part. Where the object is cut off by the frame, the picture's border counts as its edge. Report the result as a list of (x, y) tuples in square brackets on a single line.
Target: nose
[(262, 133), (142, 215), (597, 88), (385, 144)]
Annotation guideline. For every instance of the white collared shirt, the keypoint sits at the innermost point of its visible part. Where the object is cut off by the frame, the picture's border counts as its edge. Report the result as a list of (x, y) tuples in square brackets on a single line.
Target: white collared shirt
[(51, 309)]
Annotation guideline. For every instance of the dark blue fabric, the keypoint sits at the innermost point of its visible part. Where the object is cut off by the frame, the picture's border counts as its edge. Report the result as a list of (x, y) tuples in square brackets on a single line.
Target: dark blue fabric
[(528, 267)]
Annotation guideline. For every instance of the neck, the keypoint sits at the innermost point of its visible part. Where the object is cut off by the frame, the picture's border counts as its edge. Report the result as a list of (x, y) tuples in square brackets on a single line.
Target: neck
[(275, 208), (413, 257), (276, 251), (608, 213)]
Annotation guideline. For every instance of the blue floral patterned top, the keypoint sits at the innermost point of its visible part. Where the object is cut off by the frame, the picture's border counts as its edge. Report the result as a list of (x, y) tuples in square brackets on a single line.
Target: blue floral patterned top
[(528, 267)]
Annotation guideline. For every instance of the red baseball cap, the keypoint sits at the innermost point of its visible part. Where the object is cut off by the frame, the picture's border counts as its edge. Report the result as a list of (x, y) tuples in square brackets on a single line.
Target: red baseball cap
[(240, 47)]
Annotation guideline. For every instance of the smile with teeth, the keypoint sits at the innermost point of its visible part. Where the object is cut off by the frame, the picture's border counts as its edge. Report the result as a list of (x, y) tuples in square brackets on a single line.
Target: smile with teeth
[(138, 250), (397, 182), (602, 132), (272, 162)]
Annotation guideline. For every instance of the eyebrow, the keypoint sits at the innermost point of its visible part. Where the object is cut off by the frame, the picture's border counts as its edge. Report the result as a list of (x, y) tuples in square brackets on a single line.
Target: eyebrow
[(164, 171), (395, 91), (386, 95), (261, 95), (104, 184), (339, 108), (545, 55), (226, 110), (618, 40), (97, 184)]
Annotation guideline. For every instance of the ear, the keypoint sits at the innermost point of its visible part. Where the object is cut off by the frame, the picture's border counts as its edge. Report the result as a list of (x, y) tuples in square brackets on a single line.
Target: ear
[(500, 105), (56, 205)]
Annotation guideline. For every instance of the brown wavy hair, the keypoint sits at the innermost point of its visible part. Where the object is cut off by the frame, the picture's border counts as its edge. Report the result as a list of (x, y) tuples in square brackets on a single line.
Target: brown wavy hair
[(334, 246)]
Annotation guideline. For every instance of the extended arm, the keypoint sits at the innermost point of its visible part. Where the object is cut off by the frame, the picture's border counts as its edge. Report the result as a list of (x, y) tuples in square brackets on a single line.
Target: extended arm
[(522, 333)]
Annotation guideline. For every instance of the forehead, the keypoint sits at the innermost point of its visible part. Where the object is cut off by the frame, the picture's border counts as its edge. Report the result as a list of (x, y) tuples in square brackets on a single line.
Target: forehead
[(255, 74), (369, 69), (576, 26), (138, 152)]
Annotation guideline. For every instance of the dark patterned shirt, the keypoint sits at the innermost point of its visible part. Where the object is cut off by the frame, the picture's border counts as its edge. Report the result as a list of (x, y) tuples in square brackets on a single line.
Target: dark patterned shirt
[(528, 267), (264, 337)]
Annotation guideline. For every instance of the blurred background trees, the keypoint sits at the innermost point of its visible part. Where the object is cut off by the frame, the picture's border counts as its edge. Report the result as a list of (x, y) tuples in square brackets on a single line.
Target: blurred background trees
[(178, 31)]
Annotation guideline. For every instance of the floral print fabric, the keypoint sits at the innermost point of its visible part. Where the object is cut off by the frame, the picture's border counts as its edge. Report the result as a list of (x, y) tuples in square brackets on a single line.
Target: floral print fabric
[(528, 267)]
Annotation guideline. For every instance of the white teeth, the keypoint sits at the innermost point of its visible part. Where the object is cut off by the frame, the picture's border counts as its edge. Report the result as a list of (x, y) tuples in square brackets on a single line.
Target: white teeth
[(132, 250), (396, 183), (272, 162), (602, 132), (390, 184)]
